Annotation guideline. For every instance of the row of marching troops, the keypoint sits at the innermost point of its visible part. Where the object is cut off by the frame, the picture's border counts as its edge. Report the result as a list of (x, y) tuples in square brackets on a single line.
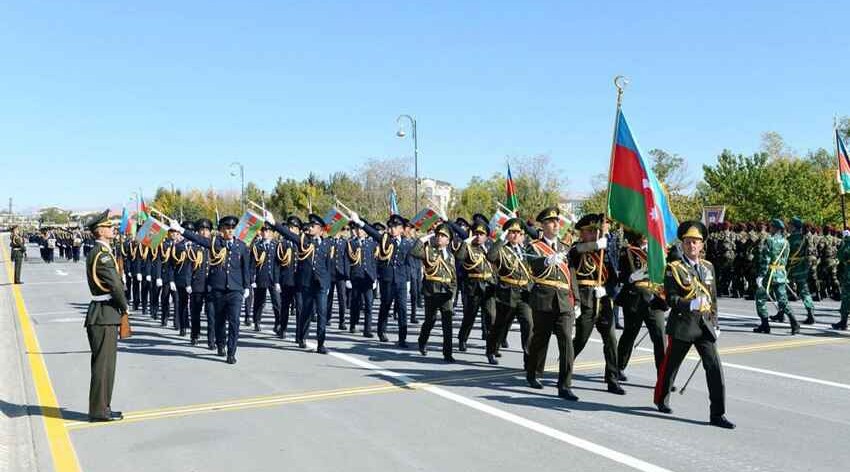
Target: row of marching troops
[(808, 263), (67, 241)]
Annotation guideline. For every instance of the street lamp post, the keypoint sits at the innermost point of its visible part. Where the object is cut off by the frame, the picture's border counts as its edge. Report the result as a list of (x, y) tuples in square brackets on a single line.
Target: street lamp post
[(401, 134), (242, 180)]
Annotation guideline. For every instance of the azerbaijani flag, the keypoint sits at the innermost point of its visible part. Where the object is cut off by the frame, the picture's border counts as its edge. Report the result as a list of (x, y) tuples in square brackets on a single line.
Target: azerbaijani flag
[(393, 202), (335, 221), (151, 233), (511, 202), (248, 226), (425, 219), (124, 227), (496, 222), (637, 200), (143, 210), (843, 164)]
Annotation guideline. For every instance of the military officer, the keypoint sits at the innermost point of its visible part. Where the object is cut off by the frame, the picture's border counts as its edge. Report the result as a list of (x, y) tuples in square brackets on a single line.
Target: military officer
[(415, 274), (229, 279), (553, 303), (265, 277), (182, 280), (103, 319), (363, 271), (480, 287), (19, 248), (199, 258), (771, 278), (798, 268), (692, 295), (290, 293), (844, 261), (339, 277)]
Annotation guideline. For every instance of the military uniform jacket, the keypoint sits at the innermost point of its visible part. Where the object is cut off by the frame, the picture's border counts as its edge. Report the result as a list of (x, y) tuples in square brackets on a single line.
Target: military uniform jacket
[(361, 259), (773, 257), (314, 257), (182, 264), (512, 272), (264, 265), (633, 259), (584, 259), (199, 259), (554, 285), (17, 244), (439, 267), (798, 254), (472, 259), (843, 258), (286, 262), (229, 266), (105, 285), (684, 282), (392, 254), (166, 263), (340, 263)]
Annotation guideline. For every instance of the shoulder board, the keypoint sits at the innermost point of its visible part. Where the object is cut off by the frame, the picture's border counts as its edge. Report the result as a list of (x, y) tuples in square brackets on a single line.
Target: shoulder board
[(104, 248), (104, 259)]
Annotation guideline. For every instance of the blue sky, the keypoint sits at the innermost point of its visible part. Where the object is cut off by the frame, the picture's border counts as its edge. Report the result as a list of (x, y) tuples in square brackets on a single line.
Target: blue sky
[(98, 98)]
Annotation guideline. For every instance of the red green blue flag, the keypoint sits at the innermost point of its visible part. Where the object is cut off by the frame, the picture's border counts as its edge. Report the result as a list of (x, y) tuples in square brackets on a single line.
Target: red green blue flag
[(511, 202), (637, 200), (335, 221), (843, 164), (248, 226), (144, 212), (151, 233), (425, 219), (496, 222), (124, 227)]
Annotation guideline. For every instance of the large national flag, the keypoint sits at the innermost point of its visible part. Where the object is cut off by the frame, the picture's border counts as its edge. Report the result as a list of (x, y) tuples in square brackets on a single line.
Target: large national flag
[(637, 200), (124, 227), (151, 233), (335, 221), (511, 202), (425, 219), (248, 226), (843, 164), (393, 202)]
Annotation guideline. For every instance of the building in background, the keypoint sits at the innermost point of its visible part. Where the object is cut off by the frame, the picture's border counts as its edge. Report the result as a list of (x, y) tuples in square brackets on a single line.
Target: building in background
[(436, 192)]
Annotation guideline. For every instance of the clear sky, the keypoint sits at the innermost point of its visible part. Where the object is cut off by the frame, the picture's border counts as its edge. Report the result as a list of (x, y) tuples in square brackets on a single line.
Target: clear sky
[(101, 97)]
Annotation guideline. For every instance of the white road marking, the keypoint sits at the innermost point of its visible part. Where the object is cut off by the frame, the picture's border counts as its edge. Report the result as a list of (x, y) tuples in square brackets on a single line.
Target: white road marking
[(61, 272)]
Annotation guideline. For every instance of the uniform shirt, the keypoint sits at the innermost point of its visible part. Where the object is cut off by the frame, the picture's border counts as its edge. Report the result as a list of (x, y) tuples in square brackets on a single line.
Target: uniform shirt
[(264, 265), (361, 259), (229, 262), (394, 253)]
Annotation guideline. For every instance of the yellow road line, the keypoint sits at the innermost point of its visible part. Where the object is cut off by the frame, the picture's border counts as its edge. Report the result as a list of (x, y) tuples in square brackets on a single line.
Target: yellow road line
[(61, 449), (772, 346)]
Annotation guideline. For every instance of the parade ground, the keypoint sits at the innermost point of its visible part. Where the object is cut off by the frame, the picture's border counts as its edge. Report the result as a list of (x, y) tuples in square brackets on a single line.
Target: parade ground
[(370, 406)]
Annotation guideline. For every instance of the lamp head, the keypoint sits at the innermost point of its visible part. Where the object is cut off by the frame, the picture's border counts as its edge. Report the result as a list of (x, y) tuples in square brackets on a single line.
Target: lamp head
[(400, 133)]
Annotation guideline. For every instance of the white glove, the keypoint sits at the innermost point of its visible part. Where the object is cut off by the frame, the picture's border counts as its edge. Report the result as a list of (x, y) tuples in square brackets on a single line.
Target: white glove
[(638, 275), (717, 332), (469, 239), (374, 285), (131, 275), (698, 302), (139, 277), (577, 310), (759, 281), (599, 292), (348, 284), (254, 285), (427, 237), (503, 236), (158, 282), (175, 226), (171, 286), (407, 287), (245, 294), (277, 288), (267, 215), (602, 242), (846, 232), (189, 289), (553, 259), (148, 278)]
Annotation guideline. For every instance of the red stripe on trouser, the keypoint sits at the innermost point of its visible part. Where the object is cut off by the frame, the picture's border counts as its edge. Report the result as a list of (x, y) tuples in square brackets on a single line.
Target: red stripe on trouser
[(659, 394)]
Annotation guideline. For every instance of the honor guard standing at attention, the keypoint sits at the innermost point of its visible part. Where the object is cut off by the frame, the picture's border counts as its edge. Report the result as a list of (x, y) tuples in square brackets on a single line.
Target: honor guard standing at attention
[(19, 248), (553, 304), (394, 272), (692, 295), (229, 279), (360, 251), (265, 276), (596, 277), (514, 285), (771, 277), (314, 269), (103, 318), (641, 300), (182, 270), (798, 269), (199, 259), (480, 287), (290, 294), (438, 287)]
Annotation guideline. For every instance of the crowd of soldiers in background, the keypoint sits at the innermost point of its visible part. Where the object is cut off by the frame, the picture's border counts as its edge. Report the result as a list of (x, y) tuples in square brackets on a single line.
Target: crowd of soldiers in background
[(68, 242), (734, 249)]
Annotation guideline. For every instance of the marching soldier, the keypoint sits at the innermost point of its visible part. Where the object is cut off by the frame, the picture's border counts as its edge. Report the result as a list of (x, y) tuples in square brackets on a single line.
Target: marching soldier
[(290, 295), (641, 301), (692, 295), (415, 275), (771, 278), (513, 291), (339, 278), (182, 275), (76, 245), (596, 277), (19, 248), (360, 251), (553, 304), (199, 259), (480, 288), (265, 276), (844, 261), (229, 278), (165, 281), (103, 319), (798, 269), (438, 286), (146, 262)]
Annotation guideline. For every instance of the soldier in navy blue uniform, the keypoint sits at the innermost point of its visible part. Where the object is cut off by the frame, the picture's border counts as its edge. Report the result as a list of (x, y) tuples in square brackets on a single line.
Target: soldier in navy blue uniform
[(456, 242), (199, 260), (393, 251), (182, 280), (339, 277), (360, 252), (290, 294), (145, 280), (415, 275), (265, 271), (163, 273), (314, 271), (229, 279)]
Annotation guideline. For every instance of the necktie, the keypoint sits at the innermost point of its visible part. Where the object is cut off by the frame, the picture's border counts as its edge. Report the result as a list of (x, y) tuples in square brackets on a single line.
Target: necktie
[(229, 244)]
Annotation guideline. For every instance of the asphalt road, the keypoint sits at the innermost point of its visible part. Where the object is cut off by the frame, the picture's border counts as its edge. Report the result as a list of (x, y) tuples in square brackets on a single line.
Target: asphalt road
[(370, 406)]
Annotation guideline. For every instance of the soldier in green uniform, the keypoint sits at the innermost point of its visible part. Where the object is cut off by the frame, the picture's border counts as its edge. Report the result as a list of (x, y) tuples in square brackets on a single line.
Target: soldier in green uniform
[(692, 295), (771, 278), (480, 289), (553, 303), (103, 318), (439, 285), (798, 269), (844, 261), (512, 292), (19, 249)]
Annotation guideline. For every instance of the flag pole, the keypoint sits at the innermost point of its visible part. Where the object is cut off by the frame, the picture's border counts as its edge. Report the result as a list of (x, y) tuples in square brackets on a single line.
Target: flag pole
[(838, 161), (620, 82)]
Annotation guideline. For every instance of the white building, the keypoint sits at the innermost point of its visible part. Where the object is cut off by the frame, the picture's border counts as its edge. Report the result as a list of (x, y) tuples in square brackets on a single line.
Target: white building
[(436, 192)]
